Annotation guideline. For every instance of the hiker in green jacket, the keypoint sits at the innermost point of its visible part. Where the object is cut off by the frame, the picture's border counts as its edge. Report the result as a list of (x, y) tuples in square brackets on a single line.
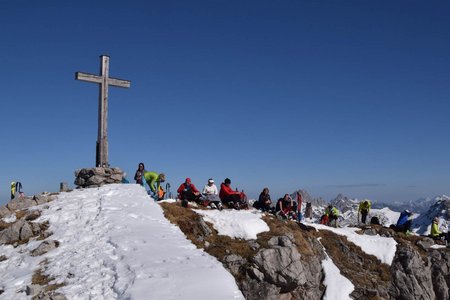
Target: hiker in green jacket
[(436, 234), (154, 180), (363, 209), (333, 214)]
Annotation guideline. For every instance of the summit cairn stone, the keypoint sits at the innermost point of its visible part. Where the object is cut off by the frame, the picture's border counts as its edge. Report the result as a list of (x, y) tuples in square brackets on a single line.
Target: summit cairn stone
[(96, 177)]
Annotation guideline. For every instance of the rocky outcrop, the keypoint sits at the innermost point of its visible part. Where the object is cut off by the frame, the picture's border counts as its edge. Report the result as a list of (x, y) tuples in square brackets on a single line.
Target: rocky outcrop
[(23, 229), (285, 263), (95, 177), (22, 203), (411, 275), (281, 268)]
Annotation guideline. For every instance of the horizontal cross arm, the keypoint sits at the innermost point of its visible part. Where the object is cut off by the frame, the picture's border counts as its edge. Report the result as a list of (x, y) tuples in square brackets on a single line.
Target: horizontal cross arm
[(88, 77), (119, 82)]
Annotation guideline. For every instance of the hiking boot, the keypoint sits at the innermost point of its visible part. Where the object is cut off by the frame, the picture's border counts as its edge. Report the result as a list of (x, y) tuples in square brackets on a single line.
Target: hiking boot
[(184, 203), (213, 206), (219, 206)]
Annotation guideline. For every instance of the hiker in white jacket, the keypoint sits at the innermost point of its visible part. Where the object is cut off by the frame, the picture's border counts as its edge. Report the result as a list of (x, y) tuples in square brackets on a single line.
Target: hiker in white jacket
[(211, 195)]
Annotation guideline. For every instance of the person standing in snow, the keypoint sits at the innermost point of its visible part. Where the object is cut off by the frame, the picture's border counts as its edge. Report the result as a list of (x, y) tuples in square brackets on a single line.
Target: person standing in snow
[(231, 198), (308, 210), (187, 192), (436, 234), (138, 176), (264, 201), (363, 209), (154, 180), (211, 195)]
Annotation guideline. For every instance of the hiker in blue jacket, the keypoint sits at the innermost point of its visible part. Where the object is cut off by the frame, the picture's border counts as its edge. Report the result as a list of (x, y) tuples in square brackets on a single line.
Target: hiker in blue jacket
[(404, 221)]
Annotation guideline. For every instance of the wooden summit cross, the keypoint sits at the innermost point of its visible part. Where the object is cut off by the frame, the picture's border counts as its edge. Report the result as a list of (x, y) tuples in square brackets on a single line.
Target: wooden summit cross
[(103, 80)]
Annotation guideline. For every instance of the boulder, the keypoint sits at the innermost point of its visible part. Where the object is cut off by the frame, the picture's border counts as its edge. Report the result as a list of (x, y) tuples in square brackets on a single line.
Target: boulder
[(95, 180), (79, 181), (19, 203), (281, 264), (43, 198), (411, 276), (4, 211), (234, 263), (45, 247), (19, 231), (99, 171), (116, 177), (116, 171), (425, 243)]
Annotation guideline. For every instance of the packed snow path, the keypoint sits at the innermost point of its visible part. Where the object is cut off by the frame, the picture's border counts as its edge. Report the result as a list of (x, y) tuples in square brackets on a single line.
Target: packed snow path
[(116, 244)]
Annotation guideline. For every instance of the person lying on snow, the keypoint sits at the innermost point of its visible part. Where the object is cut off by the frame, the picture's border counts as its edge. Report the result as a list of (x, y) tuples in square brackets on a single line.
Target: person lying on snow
[(188, 192), (286, 208), (231, 198)]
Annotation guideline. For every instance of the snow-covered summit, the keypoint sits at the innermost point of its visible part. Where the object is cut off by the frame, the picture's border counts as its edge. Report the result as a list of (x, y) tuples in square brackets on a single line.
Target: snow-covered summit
[(115, 243)]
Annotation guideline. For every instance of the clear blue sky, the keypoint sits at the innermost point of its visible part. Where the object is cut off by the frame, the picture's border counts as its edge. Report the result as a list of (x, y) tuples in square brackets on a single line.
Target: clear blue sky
[(330, 96)]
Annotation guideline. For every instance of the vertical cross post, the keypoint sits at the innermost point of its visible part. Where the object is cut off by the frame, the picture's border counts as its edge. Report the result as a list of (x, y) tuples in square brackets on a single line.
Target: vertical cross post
[(101, 157)]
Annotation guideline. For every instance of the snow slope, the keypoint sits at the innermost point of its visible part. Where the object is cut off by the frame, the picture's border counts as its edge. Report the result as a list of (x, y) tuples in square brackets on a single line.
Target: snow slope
[(382, 247), (116, 244)]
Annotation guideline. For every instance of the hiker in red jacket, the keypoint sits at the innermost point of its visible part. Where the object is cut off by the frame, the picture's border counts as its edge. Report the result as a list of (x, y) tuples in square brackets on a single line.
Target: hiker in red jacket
[(187, 192), (231, 198), (285, 208)]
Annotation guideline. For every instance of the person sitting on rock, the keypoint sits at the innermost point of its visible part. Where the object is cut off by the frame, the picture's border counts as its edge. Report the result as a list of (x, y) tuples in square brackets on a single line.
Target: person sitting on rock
[(154, 181), (436, 234), (264, 201), (231, 198), (363, 209), (404, 221), (211, 195), (188, 192), (285, 208)]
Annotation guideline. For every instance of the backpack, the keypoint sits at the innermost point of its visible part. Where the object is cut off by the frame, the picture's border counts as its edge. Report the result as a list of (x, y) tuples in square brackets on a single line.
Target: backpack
[(375, 221)]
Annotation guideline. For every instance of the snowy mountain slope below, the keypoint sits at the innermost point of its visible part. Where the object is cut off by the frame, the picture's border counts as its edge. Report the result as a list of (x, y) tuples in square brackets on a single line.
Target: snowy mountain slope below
[(382, 247), (115, 243), (348, 208)]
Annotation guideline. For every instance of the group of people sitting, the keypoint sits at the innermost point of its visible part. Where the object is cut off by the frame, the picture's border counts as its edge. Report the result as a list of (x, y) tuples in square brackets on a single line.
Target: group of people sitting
[(285, 207), (188, 192), (210, 196)]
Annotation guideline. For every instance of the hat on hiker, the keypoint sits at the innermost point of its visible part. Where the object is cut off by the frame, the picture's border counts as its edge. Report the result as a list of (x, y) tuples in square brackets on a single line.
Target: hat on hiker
[(227, 180), (162, 177), (210, 180)]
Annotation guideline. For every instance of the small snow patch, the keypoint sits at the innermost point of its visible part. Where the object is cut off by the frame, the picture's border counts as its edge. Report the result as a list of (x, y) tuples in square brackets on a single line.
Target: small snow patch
[(242, 224)]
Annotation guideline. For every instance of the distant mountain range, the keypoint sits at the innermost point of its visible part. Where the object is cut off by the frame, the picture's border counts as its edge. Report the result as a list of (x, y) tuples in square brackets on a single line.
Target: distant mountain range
[(419, 206), (424, 209)]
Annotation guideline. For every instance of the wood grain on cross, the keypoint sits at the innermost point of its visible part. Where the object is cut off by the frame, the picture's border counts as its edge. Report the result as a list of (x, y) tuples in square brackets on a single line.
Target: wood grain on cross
[(103, 80)]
